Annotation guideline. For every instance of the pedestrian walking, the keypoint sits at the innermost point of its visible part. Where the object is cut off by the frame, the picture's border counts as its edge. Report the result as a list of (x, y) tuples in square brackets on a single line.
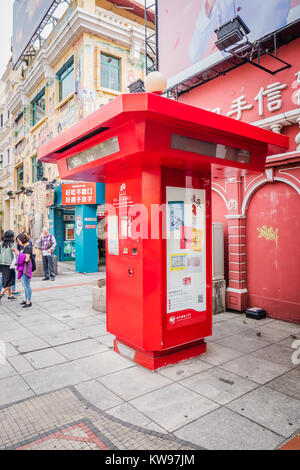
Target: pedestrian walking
[(24, 267), (14, 288), (19, 245), (48, 245), (7, 264)]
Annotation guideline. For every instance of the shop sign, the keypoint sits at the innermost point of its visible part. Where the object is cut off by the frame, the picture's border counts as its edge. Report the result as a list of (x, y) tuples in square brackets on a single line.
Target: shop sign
[(78, 193)]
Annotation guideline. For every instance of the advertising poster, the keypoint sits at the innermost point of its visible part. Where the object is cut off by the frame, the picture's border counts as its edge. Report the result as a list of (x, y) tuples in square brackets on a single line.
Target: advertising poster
[(69, 249), (186, 253), (187, 36)]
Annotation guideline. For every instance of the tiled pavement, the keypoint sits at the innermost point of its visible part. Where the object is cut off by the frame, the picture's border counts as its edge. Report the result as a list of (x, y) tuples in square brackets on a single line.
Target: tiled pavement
[(62, 386)]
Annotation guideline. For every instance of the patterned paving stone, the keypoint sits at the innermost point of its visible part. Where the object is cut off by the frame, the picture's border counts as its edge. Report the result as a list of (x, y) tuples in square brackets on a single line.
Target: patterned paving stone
[(77, 437), (64, 420)]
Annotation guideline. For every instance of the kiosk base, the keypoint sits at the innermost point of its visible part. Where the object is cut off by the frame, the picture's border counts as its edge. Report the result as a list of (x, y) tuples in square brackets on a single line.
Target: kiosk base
[(156, 359)]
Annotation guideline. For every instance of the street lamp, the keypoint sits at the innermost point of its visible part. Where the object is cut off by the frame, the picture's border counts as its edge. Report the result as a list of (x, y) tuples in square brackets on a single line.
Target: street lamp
[(28, 191), (137, 87), (10, 194), (155, 82)]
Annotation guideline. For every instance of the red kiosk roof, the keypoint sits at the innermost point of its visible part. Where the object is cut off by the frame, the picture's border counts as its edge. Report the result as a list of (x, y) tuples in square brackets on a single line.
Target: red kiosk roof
[(165, 110), (165, 117)]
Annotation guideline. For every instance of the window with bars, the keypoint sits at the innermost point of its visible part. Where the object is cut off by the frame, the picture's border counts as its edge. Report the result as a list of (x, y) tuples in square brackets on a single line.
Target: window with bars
[(65, 77), (20, 177), (37, 169), (110, 72), (38, 107)]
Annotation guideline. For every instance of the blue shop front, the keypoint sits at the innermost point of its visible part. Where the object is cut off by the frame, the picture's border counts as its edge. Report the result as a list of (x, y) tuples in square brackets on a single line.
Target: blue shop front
[(76, 219)]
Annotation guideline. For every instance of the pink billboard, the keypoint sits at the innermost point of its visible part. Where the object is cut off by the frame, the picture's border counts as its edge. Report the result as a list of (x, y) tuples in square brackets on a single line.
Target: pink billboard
[(186, 37)]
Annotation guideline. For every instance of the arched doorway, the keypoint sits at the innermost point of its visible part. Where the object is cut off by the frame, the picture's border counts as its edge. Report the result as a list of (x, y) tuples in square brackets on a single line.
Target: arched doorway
[(273, 251)]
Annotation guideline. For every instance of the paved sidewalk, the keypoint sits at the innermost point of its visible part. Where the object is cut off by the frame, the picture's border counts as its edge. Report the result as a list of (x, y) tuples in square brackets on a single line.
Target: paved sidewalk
[(62, 386)]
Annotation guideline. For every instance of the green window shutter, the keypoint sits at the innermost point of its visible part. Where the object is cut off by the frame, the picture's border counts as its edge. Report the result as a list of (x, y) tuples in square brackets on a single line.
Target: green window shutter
[(110, 72), (66, 81), (38, 107)]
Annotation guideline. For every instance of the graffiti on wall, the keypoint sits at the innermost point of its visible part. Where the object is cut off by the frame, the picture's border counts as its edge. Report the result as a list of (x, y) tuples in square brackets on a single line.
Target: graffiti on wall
[(268, 233)]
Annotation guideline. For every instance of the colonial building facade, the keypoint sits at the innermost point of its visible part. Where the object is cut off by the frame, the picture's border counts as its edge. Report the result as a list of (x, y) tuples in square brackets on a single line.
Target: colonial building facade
[(95, 51)]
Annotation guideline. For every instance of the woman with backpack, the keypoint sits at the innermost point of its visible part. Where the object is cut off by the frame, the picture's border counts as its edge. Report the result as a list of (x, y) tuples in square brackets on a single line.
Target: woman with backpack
[(24, 267), (7, 257)]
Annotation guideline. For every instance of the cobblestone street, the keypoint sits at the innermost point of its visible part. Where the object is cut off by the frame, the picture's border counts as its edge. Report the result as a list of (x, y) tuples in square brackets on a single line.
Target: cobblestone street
[(62, 386)]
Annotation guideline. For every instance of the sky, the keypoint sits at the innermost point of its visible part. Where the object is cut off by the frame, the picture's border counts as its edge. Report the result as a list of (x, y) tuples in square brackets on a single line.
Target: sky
[(6, 20)]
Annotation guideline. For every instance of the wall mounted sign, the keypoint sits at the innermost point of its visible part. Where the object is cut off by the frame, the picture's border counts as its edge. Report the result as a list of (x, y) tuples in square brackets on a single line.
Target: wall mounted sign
[(50, 197), (78, 193), (79, 225)]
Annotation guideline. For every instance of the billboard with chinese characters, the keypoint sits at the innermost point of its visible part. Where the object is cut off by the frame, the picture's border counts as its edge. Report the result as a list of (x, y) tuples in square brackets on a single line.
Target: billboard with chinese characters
[(186, 43), (78, 193), (27, 17)]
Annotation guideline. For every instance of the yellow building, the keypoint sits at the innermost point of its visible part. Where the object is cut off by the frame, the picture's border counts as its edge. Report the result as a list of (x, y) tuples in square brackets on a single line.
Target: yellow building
[(6, 150), (93, 54)]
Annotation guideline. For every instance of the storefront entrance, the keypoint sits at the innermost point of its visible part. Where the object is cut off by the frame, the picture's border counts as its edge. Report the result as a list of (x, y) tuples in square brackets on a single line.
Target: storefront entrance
[(74, 220)]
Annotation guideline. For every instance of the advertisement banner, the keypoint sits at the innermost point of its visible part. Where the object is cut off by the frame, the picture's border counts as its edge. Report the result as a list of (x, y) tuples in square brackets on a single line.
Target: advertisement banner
[(27, 17), (186, 42), (78, 193), (50, 197), (186, 254)]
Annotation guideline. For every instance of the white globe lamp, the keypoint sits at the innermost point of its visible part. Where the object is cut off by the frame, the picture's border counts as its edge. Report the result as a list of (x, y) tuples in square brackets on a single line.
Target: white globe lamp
[(155, 82)]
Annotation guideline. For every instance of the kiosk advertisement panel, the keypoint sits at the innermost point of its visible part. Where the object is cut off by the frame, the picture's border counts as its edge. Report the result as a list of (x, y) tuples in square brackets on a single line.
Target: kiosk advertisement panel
[(186, 254)]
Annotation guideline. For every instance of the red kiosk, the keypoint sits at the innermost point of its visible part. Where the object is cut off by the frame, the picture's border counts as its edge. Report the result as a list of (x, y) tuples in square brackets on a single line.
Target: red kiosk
[(156, 157)]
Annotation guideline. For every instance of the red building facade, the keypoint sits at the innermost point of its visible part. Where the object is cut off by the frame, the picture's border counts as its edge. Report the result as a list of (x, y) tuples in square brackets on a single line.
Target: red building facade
[(261, 213)]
